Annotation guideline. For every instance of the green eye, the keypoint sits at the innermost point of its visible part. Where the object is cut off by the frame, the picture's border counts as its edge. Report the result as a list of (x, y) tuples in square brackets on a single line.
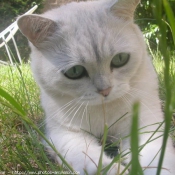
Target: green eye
[(120, 60), (76, 72)]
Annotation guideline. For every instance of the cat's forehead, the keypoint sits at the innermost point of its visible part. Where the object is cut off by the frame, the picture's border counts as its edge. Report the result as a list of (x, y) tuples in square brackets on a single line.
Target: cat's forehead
[(91, 32), (80, 13), (75, 9), (95, 44), (98, 42)]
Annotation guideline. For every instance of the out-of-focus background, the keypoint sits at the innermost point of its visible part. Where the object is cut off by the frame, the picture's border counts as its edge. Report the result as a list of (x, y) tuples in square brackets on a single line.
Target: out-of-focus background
[(10, 10)]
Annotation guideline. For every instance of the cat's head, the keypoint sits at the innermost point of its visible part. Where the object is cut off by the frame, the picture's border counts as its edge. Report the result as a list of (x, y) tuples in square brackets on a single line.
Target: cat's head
[(86, 50)]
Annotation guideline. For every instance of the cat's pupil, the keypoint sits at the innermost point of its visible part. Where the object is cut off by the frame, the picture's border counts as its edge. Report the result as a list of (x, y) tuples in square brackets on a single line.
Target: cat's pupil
[(120, 58), (75, 71)]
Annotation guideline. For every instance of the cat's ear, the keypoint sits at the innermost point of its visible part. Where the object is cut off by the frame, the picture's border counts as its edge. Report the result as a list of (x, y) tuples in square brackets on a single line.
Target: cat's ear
[(125, 8), (36, 28)]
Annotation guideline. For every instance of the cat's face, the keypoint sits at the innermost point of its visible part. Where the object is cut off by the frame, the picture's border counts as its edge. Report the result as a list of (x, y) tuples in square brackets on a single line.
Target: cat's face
[(92, 55)]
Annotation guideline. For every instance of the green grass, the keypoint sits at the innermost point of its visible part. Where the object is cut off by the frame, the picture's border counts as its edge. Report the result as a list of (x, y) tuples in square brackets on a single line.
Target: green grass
[(18, 143), (21, 145), (159, 7), (159, 65)]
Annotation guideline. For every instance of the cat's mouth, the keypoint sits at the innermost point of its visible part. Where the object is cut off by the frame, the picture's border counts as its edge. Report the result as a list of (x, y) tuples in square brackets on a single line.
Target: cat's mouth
[(108, 95), (97, 99)]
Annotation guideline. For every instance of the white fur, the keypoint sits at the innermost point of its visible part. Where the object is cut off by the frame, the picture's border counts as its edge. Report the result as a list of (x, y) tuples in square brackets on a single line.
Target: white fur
[(74, 106)]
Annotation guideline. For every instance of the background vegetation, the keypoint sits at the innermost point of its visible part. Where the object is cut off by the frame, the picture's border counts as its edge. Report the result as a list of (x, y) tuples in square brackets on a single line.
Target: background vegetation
[(9, 11), (149, 24)]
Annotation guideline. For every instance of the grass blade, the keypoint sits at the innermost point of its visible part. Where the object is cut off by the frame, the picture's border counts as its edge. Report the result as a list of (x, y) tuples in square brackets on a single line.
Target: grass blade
[(166, 56), (99, 168), (135, 165), (30, 123), (170, 16), (13, 102)]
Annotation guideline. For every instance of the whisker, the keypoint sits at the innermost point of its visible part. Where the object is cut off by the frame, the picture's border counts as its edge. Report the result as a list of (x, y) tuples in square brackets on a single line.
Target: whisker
[(128, 103), (132, 94), (70, 112), (74, 107), (143, 93), (83, 114), (75, 114), (58, 111), (55, 113)]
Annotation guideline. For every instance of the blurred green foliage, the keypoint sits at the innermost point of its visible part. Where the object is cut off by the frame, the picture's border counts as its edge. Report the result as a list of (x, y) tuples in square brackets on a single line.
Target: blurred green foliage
[(146, 20), (9, 11)]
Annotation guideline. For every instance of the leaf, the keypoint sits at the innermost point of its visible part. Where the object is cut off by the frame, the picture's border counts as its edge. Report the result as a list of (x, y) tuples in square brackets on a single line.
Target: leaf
[(135, 165), (14, 105), (99, 168), (170, 16)]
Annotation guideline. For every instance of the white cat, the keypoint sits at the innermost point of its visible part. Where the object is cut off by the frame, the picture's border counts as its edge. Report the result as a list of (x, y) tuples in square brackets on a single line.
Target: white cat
[(91, 63)]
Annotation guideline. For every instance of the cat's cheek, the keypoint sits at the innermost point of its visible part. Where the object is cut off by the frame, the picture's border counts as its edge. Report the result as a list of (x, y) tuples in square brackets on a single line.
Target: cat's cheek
[(118, 91)]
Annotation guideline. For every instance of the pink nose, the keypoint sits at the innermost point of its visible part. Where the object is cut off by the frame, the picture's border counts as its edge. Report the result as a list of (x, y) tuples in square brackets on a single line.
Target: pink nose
[(105, 92)]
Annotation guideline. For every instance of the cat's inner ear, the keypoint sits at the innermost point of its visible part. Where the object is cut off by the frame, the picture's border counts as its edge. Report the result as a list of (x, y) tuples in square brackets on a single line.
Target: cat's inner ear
[(36, 28), (125, 8)]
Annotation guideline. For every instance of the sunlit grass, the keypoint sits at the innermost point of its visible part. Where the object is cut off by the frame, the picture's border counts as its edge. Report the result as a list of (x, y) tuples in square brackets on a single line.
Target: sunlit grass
[(19, 146), (19, 83), (160, 66), (21, 137)]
